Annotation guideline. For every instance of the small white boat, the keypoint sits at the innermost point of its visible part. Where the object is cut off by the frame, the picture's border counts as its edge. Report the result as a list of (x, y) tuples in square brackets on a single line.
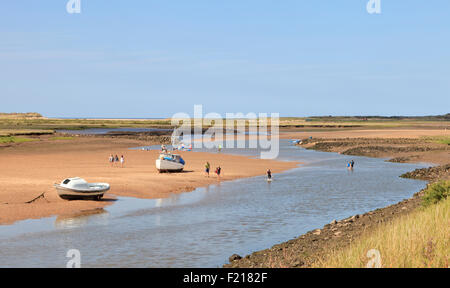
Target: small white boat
[(169, 163), (78, 188)]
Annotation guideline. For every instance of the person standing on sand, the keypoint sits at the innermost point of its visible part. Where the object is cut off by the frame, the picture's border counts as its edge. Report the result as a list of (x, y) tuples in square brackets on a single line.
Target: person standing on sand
[(207, 167), (218, 170), (116, 159), (111, 160), (122, 161)]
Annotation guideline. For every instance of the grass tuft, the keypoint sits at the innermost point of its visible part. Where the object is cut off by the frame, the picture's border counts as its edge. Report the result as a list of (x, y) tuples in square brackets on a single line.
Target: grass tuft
[(436, 192), (12, 139), (420, 240)]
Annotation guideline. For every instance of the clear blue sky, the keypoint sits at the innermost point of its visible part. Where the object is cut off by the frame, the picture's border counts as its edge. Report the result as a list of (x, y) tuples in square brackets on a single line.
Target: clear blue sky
[(155, 58)]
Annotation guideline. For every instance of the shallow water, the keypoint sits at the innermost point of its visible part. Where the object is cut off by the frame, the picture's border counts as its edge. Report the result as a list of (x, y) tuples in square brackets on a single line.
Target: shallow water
[(204, 227)]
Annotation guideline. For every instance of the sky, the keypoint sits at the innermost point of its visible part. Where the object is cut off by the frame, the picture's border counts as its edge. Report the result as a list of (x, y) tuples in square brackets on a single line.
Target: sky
[(155, 58)]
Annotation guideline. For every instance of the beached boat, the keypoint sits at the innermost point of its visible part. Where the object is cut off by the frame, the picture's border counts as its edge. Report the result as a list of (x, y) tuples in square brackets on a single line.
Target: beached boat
[(78, 188), (169, 163)]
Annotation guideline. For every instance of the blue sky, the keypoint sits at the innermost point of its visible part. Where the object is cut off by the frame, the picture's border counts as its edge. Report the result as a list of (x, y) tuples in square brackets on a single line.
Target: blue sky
[(155, 58)]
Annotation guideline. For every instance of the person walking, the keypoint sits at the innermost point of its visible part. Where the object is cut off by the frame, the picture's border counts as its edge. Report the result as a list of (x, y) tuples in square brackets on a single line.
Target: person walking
[(122, 161), (207, 167), (218, 171)]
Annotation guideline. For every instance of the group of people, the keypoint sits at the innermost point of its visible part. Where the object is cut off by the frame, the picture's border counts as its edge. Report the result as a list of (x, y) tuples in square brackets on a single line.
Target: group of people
[(217, 171), (350, 165), (180, 147), (115, 159)]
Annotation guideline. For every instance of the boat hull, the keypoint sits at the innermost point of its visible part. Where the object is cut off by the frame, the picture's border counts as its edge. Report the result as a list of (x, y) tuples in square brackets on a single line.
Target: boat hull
[(74, 194), (168, 166)]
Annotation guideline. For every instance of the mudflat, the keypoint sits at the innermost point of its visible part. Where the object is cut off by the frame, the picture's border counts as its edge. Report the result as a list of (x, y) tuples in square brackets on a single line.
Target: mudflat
[(398, 145)]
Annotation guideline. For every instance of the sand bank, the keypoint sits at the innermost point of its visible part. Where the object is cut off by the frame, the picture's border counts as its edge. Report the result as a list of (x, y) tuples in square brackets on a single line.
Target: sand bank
[(30, 169)]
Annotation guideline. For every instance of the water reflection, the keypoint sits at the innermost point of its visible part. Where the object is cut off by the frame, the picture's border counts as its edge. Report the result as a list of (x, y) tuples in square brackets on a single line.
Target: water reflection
[(96, 217)]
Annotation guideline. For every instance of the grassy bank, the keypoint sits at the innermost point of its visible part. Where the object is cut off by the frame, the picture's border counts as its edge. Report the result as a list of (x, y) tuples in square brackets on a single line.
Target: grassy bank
[(441, 140), (77, 124), (420, 239), (12, 139), (20, 123)]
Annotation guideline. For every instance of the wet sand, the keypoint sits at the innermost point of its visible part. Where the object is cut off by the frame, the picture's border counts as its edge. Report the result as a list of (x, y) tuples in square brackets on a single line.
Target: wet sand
[(30, 169)]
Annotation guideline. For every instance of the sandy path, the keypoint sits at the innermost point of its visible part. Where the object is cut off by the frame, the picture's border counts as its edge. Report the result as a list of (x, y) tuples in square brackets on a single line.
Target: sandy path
[(26, 171)]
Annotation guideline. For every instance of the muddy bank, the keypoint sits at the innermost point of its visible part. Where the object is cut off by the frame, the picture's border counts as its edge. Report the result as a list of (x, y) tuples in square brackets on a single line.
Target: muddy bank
[(162, 136), (396, 149), (431, 174), (313, 246), (304, 251)]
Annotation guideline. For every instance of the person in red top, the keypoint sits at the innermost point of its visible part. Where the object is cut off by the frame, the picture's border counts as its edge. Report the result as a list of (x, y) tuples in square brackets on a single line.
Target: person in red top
[(218, 170)]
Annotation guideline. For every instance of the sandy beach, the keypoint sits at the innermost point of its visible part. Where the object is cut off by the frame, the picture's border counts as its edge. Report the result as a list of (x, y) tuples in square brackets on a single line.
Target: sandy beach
[(30, 169)]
